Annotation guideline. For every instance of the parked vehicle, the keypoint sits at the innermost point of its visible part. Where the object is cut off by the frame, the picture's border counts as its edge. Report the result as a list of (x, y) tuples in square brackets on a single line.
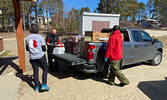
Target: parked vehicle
[(138, 46)]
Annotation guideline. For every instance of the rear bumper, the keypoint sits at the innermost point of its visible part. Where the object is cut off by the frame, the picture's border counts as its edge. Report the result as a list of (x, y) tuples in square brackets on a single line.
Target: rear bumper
[(87, 68), (72, 60), (68, 59)]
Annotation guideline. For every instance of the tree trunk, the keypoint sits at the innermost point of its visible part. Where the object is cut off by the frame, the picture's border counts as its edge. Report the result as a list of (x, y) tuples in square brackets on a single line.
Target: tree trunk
[(3, 26), (13, 22), (43, 16), (69, 23), (29, 21), (23, 17), (63, 24), (47, 19), (139, 17), (8, 23), (107, 9), (36, 16), (102, 6), (24, 22)]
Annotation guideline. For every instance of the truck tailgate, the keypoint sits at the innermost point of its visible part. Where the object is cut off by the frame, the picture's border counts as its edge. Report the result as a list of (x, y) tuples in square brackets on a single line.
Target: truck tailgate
[(68, 59)]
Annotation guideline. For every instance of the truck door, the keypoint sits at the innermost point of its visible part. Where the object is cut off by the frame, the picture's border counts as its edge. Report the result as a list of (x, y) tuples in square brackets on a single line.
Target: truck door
[(127, 48), (138, 52), (147, 45)]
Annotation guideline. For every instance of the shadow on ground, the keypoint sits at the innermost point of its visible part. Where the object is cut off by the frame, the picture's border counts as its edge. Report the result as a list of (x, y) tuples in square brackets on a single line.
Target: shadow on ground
[(155, 90), (136, 65), (71, 71), (6, 61), (26, 78)]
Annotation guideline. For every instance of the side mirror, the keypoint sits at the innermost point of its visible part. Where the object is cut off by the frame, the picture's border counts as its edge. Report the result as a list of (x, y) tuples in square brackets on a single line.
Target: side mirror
[(154, 40)]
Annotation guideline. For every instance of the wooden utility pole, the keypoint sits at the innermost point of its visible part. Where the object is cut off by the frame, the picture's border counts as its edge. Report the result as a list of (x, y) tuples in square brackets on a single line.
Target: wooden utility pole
[(19, 33)]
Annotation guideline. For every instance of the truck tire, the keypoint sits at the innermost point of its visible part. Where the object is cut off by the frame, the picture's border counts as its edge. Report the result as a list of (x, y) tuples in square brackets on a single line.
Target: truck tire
[(157, 59)]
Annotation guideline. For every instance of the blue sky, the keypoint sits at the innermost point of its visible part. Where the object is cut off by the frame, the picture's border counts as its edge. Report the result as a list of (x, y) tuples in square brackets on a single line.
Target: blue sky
[(92, 4)]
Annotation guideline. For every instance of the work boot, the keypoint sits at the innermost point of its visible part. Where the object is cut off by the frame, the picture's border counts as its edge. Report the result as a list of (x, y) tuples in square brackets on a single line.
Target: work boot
[(44, 87), (110, 83), (36, 89)]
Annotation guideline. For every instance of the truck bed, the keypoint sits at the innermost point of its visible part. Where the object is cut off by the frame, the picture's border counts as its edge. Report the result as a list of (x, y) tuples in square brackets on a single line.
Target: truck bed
[(68, 59)]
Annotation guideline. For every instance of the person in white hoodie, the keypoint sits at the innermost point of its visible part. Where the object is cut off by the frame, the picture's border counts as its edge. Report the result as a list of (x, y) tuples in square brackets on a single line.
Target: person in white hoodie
[(35, 44)]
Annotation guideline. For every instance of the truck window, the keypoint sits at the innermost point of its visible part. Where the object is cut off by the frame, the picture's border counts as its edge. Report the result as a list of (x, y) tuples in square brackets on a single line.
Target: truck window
[(136, 36), (145, 36), (126, 35)]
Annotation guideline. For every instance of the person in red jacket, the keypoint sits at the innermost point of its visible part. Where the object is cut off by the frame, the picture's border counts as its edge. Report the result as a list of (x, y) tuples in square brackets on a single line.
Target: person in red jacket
[(114, 54)]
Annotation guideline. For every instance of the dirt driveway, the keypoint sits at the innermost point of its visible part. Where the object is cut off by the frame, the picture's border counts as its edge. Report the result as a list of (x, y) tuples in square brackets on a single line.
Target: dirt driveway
[(146, 82)]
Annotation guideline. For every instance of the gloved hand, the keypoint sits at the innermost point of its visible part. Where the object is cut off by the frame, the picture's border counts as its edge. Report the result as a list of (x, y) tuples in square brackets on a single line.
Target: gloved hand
[(105, 59)]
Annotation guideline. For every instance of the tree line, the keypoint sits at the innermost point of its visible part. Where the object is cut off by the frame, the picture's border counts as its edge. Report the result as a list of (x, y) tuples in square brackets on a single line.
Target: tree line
[(132, 10), (64, 20)]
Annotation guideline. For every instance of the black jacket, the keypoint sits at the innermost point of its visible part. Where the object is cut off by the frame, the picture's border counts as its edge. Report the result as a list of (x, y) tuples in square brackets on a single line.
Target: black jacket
[(52, 39)]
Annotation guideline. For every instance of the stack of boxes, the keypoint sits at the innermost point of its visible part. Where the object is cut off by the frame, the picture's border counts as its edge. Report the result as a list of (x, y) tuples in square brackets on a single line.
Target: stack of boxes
[(69, 45), (83, 45), (98, 36), (78, 44), (59, 49), (75, 40)]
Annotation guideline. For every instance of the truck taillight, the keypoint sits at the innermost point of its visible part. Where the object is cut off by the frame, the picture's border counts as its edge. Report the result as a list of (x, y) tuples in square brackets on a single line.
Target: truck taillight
[(90, 54)]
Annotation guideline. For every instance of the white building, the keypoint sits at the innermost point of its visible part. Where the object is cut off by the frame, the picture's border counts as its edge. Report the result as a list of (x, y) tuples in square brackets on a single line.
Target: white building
[(97, 21)]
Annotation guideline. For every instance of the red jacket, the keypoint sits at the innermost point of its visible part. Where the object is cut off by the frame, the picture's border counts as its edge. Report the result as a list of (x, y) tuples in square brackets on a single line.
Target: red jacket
[(114, 46)]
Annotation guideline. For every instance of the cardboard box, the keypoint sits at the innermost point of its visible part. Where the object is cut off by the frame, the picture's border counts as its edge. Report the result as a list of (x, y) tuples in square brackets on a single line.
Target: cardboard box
[(69, 48), (79, 51), (76, 38), (96, 35), (75, 47), (58, 50), (84, 48), (69, 39), (86, 38)]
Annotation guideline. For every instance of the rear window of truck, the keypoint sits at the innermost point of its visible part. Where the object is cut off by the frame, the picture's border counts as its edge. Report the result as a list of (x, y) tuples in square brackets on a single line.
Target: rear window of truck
[(125, 35)]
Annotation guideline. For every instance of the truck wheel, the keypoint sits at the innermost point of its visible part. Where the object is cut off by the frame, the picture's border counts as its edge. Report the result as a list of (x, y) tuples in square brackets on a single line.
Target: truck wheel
[(157, 59)]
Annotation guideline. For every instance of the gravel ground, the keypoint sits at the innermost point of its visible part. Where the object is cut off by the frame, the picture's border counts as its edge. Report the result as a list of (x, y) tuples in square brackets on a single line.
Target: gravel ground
[(146, 82)]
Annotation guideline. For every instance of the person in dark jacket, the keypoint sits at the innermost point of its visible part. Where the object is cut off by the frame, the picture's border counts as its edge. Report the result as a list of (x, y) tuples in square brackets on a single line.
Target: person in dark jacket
[(51, 40), (114, 53), (35, 44)]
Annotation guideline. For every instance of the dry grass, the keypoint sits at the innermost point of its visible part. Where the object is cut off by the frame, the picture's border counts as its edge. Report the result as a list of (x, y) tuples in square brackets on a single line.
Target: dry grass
[(6, 54), (44, 33)]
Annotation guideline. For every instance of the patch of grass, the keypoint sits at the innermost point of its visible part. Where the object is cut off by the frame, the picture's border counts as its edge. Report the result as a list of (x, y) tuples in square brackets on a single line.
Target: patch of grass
[(6, 53)]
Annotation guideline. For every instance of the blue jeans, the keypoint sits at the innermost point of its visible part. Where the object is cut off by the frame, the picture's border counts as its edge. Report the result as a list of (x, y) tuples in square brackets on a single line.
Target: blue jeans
[(43, 64)]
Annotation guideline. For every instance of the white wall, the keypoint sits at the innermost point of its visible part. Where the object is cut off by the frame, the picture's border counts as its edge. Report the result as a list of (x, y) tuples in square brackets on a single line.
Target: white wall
[(85, 22)]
